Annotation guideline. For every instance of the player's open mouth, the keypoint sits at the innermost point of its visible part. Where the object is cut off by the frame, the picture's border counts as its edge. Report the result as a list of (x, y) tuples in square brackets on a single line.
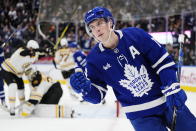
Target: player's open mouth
[(100, 35)]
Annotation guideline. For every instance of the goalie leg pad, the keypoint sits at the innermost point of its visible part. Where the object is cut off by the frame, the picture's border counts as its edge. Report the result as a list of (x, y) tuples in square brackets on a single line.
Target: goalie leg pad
[(55, 111)]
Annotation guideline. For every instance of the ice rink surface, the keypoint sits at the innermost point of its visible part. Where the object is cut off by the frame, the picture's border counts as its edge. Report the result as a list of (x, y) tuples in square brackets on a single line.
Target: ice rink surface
[(92, 118), (89, 117)]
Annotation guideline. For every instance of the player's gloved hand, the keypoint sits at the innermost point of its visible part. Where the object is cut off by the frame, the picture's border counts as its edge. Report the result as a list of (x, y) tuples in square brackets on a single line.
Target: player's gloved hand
[(80, 83), (26, 109), (49, 51), (175, 96)]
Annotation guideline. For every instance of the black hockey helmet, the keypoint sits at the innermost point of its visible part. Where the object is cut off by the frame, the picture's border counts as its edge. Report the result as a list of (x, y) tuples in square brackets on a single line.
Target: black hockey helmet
[(36, 78)]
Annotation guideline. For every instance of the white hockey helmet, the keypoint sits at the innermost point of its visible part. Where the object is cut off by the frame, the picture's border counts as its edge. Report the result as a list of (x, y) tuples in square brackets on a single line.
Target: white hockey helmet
[(63, 42), (32, 44)]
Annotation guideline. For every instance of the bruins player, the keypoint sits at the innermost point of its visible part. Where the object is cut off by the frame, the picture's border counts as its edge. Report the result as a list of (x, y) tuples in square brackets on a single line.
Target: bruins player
[(13, 69), (44, 97), (66, 59)]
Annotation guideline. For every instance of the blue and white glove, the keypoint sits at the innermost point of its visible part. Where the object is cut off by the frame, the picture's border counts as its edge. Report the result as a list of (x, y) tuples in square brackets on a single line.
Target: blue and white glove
[(80, 83), (175, 96)]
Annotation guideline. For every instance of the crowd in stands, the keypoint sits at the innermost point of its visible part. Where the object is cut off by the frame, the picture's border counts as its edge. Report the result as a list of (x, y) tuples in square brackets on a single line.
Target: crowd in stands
[(20, 16)]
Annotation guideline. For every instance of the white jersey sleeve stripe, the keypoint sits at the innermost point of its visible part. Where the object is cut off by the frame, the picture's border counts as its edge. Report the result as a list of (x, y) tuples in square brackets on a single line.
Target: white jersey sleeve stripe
[(160, 60), (173, 86), (1, 96), (165, 66), (99, 87), (101, 94), (100, 90), (83, 62), (6, 65)]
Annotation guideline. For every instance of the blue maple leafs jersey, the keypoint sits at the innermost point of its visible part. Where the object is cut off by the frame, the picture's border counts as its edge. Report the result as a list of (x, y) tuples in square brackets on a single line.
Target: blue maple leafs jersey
[(135, 69), (80, 59)]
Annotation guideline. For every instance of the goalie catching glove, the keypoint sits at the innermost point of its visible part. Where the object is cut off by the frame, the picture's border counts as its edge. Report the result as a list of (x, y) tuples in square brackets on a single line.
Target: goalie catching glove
[(80, 83), (175, 96)]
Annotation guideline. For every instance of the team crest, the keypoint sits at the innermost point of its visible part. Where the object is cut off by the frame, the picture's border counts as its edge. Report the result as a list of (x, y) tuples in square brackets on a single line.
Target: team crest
[(137, 82)]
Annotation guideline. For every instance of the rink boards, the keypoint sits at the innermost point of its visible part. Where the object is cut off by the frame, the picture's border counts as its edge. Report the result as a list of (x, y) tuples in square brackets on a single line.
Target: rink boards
[(188, 75), (188, 78)]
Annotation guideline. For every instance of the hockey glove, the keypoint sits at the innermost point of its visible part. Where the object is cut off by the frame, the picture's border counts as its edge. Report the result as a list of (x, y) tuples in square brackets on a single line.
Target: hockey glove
[(80, 83), (27, 109), (175, 96)]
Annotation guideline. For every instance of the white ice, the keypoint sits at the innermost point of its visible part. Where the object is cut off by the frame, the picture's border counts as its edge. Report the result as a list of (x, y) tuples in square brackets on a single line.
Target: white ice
[(93, 118)]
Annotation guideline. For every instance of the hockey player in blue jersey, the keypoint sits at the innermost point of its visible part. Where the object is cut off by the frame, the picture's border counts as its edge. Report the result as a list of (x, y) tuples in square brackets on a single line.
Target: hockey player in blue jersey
[(140, 71)]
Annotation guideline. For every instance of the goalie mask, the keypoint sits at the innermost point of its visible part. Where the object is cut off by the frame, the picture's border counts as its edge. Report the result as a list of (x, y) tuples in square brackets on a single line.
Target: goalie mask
[(36, 78)]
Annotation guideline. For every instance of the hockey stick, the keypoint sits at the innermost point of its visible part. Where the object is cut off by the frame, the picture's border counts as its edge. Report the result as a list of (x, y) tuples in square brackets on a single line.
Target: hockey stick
[(55, 46), (174, 119), (6, 41), (40, 32), (43, 35), (62, 34), (180, 61), (66, 28)]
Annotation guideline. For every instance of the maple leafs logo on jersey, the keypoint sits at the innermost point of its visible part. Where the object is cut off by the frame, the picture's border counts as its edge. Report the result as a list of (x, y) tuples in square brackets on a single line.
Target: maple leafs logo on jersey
[(137, 82)]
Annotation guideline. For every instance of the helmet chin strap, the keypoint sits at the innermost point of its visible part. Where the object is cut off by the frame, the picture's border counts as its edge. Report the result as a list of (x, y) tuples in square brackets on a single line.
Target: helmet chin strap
[(109, 34), (91, 35)]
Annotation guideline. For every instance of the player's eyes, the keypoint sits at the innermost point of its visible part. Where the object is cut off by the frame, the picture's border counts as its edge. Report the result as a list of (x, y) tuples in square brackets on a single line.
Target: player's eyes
[(99, 23), (92, 27)]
